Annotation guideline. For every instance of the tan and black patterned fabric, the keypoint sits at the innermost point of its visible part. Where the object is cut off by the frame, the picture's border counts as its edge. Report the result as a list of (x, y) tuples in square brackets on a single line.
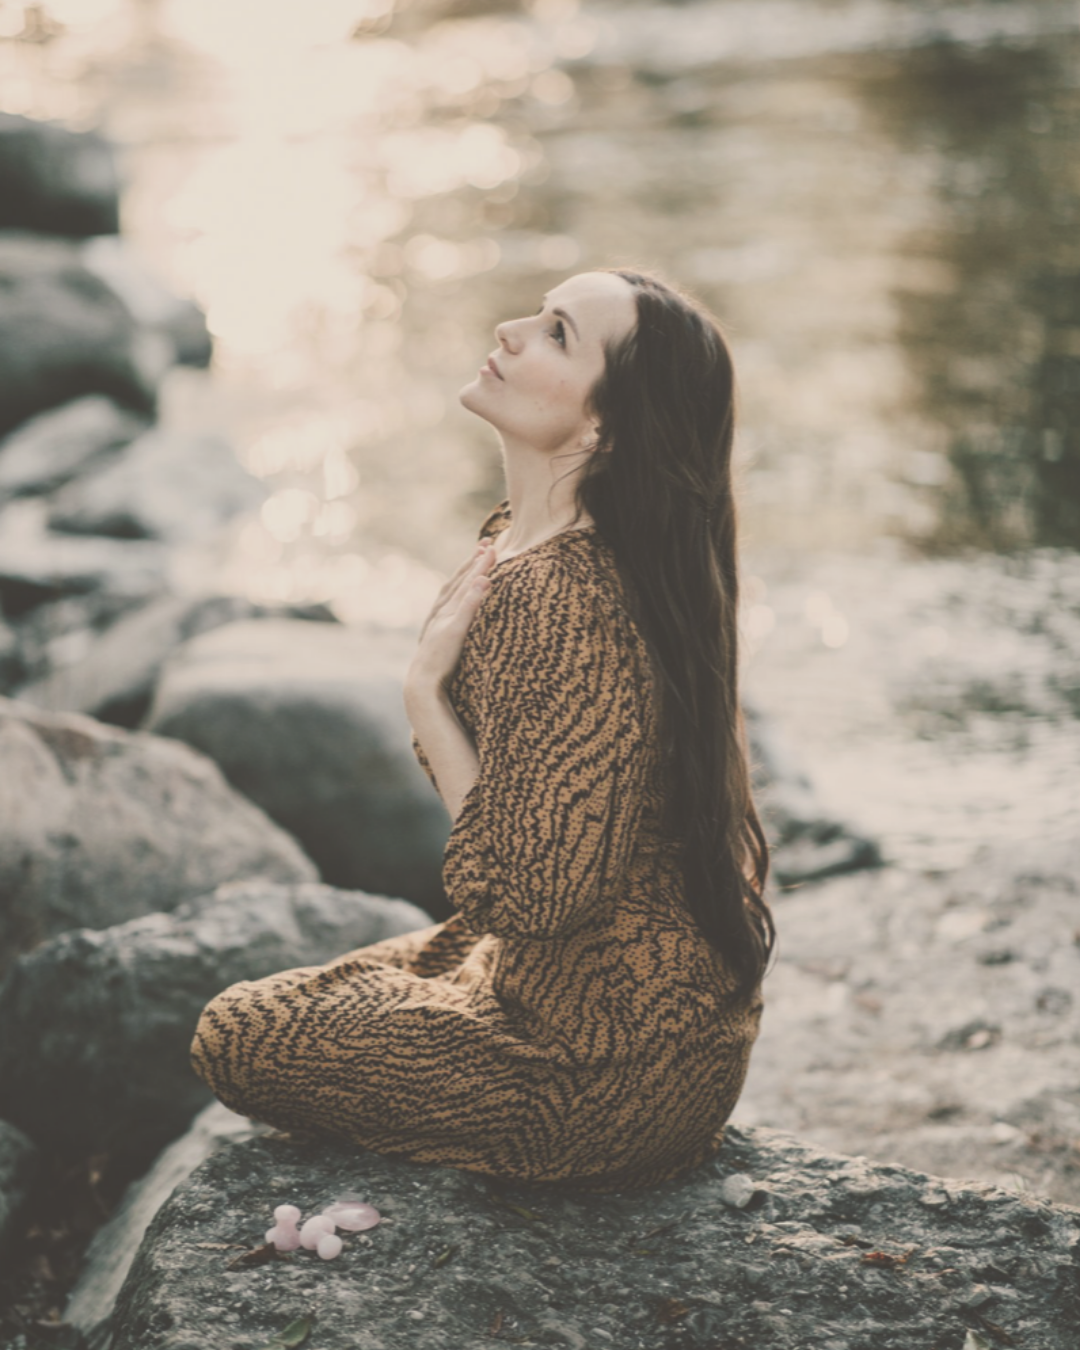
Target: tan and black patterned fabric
[(569, 1023)]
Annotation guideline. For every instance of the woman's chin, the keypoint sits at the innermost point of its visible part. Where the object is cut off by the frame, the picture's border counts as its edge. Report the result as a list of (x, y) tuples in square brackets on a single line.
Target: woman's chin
[(471, 396)]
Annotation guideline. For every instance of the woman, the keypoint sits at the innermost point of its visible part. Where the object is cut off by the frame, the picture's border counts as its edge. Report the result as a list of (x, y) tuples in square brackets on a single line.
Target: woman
[(587, 1014)]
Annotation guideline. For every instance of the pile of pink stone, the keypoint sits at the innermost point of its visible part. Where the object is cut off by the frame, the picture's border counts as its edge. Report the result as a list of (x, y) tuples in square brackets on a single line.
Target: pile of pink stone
[(318, 1233)]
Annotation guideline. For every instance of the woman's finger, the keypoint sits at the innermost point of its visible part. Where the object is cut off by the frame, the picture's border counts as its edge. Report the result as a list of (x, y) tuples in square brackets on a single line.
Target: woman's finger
[(454, 582), (475, 567)]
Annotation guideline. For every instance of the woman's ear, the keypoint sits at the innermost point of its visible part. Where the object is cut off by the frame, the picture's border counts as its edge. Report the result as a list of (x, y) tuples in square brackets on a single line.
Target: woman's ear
[(590, 441)]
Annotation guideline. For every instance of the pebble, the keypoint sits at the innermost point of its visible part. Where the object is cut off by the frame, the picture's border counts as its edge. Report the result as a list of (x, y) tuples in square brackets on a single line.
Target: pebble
[(737, 1191)]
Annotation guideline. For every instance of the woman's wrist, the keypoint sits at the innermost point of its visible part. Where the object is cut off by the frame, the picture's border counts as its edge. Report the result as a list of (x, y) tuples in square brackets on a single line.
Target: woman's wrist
[(426, 695)]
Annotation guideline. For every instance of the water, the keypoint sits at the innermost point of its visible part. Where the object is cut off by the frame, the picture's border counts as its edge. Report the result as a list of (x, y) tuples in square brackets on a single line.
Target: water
[(880, 201)]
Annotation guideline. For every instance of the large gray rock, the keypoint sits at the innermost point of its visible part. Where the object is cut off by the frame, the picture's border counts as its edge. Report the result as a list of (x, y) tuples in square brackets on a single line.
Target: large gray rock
[(308, 721), (64, 332), (18, 1168), (110, 1254), (38, 566), (140, 988), (173, 486), (98, 826), (774, 1246), (114, 679), (55, 181), (49, 449)]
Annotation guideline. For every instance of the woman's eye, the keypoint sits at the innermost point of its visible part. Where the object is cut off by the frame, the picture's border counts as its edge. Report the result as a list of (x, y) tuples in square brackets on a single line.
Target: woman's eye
[(559, 333)]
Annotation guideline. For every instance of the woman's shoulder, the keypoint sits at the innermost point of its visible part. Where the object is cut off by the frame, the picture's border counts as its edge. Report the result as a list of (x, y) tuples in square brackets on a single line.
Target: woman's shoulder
[(495, 521), (568, 580)]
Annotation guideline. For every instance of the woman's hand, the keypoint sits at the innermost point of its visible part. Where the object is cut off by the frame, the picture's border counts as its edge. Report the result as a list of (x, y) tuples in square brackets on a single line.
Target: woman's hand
[(443, 633)]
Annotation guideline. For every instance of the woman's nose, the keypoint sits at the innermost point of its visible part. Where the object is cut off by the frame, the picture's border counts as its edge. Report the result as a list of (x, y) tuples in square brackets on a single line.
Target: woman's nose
[(508, 334)]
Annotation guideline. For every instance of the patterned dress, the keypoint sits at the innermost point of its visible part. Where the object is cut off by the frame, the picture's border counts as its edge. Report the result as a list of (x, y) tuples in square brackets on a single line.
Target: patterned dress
[(569, 1023)]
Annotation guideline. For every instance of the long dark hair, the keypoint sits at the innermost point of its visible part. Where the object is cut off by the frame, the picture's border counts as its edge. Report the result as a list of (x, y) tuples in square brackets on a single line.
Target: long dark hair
[(659, 491)]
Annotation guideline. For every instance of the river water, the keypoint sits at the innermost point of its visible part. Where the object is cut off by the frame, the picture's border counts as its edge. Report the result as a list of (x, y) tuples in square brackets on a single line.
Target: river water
[(880, 200)]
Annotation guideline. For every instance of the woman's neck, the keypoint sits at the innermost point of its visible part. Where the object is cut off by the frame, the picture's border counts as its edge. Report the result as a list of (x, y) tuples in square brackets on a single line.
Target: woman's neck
[(542, 501)]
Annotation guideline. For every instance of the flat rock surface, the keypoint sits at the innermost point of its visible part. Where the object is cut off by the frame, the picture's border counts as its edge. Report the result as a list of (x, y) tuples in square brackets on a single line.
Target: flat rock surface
[(932, 1020), (142, 986), (831, 1252), (99, 825)]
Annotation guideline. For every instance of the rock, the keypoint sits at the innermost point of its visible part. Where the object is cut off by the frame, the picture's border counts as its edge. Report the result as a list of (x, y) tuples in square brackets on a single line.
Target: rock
[(64, 332), (141, 986), (885, 1033), (150, 303), (172, 486), (12, 670), (59, 634), (110, 1254), (98, 826), (308, 721), (738, 1190), (55, 181), (839, 1254), (114, 679), (46, 451), (18, 1168), (38, 566), (807, 843)]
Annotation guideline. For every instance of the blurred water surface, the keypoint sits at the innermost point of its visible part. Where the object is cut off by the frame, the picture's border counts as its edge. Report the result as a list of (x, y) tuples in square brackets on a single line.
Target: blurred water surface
[(879, 198)]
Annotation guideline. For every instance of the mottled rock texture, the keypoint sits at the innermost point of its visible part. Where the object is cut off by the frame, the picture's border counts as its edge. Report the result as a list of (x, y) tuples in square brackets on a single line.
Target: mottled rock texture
[(105, 1019), (933, 1019), (99, 825), (308, 721), (18, 1167), (110, 1254), (831, 1253)]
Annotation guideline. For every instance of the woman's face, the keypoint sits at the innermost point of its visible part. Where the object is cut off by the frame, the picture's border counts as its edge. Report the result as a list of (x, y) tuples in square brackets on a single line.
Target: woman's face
[(535, 387)]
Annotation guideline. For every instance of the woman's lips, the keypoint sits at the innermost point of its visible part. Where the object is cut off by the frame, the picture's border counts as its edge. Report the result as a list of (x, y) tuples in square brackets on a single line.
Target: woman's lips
[(491, 368)]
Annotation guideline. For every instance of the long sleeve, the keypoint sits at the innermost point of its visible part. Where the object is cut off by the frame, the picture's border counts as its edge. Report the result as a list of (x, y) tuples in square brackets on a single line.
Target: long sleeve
[(548, 828)]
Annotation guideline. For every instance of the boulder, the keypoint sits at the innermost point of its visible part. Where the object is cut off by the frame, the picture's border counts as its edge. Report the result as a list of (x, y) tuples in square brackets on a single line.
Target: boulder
[(308, 721), (38, 566), (141, 987), (46, 451), (830, 1252), (99, 825), (114, 679), (64, 332), (110, 1254), (18, 1168), (149, 302), (61, 633), (175, 486), (55, 181), (807, 842)]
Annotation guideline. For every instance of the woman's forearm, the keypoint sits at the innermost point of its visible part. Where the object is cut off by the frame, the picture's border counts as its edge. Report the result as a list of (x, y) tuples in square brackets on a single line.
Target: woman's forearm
[(446, 744)]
